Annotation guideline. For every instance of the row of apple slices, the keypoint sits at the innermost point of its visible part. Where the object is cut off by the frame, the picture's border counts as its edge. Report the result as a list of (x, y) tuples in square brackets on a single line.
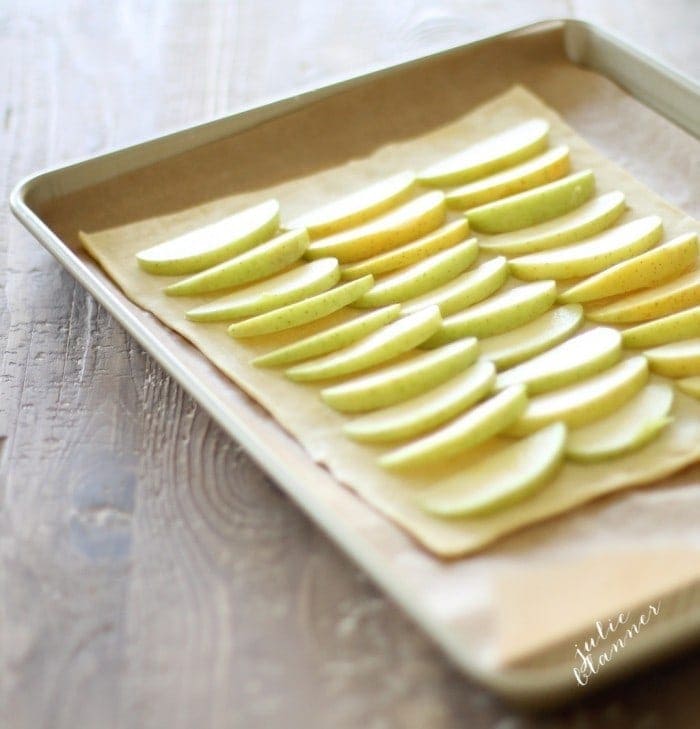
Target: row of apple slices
[(217, 243)]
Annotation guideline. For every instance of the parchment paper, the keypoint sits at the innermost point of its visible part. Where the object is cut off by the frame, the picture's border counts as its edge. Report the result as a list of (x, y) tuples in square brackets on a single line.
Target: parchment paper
[(342, 143)]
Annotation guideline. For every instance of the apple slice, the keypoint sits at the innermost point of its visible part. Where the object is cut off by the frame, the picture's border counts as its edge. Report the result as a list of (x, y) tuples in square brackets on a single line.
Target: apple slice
[(477, 425), (593, 254), (402, 381), (634, 425), (678, 359), (330, 340), (592, 217), (646, 304), (690, 386), (586, 401), (546, 167), (583, 356), (302, 312), (467, 289), (421, 414), (498, 314), (533, 206), (391, 341), (672, 328), (489, 155), (421, 277), (357, 208), (406, 255), (406, 223), (285, 288), (260, 262), (517, 345), (211, 244), (651, 268), (512, 474)]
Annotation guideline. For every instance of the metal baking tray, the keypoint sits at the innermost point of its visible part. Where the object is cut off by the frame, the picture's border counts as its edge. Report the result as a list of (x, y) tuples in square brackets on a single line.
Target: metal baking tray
[(650, 81)]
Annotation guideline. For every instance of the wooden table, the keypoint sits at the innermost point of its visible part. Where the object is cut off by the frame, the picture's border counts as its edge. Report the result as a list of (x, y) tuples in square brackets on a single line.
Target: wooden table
[(171, 584)]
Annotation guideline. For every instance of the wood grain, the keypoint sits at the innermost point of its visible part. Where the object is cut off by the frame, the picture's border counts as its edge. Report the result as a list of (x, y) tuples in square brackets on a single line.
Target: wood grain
[(150, 574)]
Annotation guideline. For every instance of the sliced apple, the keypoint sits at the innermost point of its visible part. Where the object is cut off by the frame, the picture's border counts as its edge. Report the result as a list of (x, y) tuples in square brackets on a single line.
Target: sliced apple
[(517, 345), (477, 425), (681, 293), (498, 314), (635, 424), (262, 261), (678, 359), (533, 206), (330, 340), (503, 479), (406, 223), (593, 254), (302, 312), (402, 381), (546, 167), (465, 290), (357, 208), (421, 277), (389, 342), (489, 155), (406, 255), (592, 217), (421, 414), (580, 357), (649, 269), (586, 401), (211, 244), (672, 328), (690, 386), (285, 288)]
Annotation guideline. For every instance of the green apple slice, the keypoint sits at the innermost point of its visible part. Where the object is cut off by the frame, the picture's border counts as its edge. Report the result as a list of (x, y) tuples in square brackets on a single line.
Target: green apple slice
[(649, 269), (465, 290), (584, 402), (503, 479), (205, 247), (406, 255), (260, 262), (426, 412), (489, 155), (681, 293), (475, 426), (690, 386), (517, 345), (678, 359), (592, 255), (635, 424), (672, 328), (402, 381), (406, 223), (421, 277), (592, 217), (498, 314), (285, 288), (540, 170), (330, 340), (302, 312), (533, 206), (573, 360), (358, 207), (386, 344)]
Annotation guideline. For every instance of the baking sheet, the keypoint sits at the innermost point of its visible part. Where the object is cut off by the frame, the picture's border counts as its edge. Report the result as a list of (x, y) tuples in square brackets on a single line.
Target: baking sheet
[(293, 155)]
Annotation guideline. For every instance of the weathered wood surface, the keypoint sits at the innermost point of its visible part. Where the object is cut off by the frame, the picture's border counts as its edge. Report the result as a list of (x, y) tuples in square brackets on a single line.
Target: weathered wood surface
[(150, 575)]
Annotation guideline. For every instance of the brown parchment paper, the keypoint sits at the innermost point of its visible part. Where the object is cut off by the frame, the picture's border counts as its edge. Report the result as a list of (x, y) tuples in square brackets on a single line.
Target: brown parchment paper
[(342, 143)]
